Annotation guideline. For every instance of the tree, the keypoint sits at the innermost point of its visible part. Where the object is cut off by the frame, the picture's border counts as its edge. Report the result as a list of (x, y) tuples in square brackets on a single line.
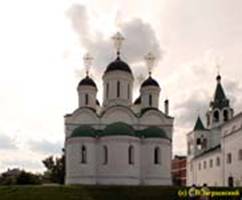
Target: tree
[(55, 169), (19, 177)]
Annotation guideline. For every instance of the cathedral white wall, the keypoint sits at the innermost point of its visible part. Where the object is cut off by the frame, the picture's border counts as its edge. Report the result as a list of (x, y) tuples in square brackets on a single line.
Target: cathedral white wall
[(77, 172), (151, 173), (118, 171)]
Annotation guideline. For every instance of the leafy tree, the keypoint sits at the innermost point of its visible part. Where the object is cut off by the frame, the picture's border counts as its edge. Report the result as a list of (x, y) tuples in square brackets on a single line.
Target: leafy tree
[(19, 177), (55, 169)]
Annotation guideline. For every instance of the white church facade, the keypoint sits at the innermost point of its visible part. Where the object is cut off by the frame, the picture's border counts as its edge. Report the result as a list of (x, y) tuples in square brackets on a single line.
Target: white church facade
[(121, 141), (215, 151)]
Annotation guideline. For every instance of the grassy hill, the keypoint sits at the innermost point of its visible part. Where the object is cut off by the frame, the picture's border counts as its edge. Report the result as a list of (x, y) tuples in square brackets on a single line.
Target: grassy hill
[(88, 193)]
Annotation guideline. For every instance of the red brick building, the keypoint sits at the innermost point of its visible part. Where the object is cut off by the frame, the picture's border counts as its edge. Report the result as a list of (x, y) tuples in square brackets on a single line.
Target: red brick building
[(178, 170)]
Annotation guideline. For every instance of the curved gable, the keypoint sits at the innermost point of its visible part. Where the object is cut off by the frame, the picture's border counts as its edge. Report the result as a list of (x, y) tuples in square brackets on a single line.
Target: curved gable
[(84, 116), (118, 113), (153, 117)]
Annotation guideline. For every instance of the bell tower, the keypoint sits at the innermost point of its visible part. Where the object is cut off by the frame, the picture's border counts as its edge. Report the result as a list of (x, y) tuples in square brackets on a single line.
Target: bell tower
[(219, 108)]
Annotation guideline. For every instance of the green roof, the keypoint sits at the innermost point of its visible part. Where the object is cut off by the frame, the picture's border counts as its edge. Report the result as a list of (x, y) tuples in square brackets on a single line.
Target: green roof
[(118, 128), (83, 131), (153, 132), (199, 125)]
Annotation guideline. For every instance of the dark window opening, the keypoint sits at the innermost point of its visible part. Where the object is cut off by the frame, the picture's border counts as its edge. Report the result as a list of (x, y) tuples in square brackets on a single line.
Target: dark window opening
[(118, 89), (131, 155), (157, 156), (107, 90), (105, 155), (83, 155), (150, 100), (216, 116), (86, 99), (226, 115)]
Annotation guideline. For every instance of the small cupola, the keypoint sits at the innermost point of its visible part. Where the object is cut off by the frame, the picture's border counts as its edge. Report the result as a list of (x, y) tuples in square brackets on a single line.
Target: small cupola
[(150, 88), (87, 88)]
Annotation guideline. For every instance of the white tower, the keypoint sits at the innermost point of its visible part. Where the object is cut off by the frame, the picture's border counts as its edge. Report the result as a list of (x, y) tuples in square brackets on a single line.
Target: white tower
[(117, 79)]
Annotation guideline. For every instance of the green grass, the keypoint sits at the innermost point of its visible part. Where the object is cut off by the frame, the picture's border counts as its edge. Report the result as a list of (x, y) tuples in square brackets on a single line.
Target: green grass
[(88, 193)]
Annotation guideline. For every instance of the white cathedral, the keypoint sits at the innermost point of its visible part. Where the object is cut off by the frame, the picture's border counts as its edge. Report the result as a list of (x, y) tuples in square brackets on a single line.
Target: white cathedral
[(215, 151), (121, 141)]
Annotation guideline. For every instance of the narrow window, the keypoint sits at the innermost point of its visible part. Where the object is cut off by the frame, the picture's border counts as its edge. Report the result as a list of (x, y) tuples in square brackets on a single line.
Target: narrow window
[(229, 158), (105, 155), (208, 120), (118, 89), (211, 163), (218, 161), (107, 91), (128, 91), (86, 99), (240, 155), (131, 155), (83, 155), (204, 164), (199, 166), (150, 100), (157, 156)]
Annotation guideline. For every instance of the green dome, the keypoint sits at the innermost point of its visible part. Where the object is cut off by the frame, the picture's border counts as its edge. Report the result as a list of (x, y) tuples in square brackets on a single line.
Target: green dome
[(118, 129), (83, 131), (153, 132)]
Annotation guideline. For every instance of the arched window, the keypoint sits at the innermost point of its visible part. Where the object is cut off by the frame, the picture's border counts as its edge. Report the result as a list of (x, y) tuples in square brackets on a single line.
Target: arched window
[(208, 120), (150, 100), (240, 155), (86, 99), (107, 90), (157, 156), (216, 116), (128, 91), (118, 89), (105, 155), (229, 158), (226, 115), (131, 155), (83, 154)]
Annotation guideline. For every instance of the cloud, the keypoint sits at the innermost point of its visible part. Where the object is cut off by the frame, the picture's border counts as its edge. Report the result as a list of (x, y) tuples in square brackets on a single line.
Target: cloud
[(7, 143), (140, 39), (45, 147), (32, 165)]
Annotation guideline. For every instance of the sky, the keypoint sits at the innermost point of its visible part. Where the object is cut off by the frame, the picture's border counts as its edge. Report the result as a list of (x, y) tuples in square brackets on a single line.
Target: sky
[(41, 48)]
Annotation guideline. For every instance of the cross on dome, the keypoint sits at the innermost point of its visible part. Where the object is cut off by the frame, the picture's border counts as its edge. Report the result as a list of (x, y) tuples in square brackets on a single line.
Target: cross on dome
[(118, 39), (88, 60), (150, 60)]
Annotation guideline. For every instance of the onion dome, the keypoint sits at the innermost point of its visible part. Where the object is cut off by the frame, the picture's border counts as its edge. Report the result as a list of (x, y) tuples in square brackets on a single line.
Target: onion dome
[(153, 132), (87, 81), (83, 131), (118, 64), (118, 129), (150, 82), (137, 101)]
